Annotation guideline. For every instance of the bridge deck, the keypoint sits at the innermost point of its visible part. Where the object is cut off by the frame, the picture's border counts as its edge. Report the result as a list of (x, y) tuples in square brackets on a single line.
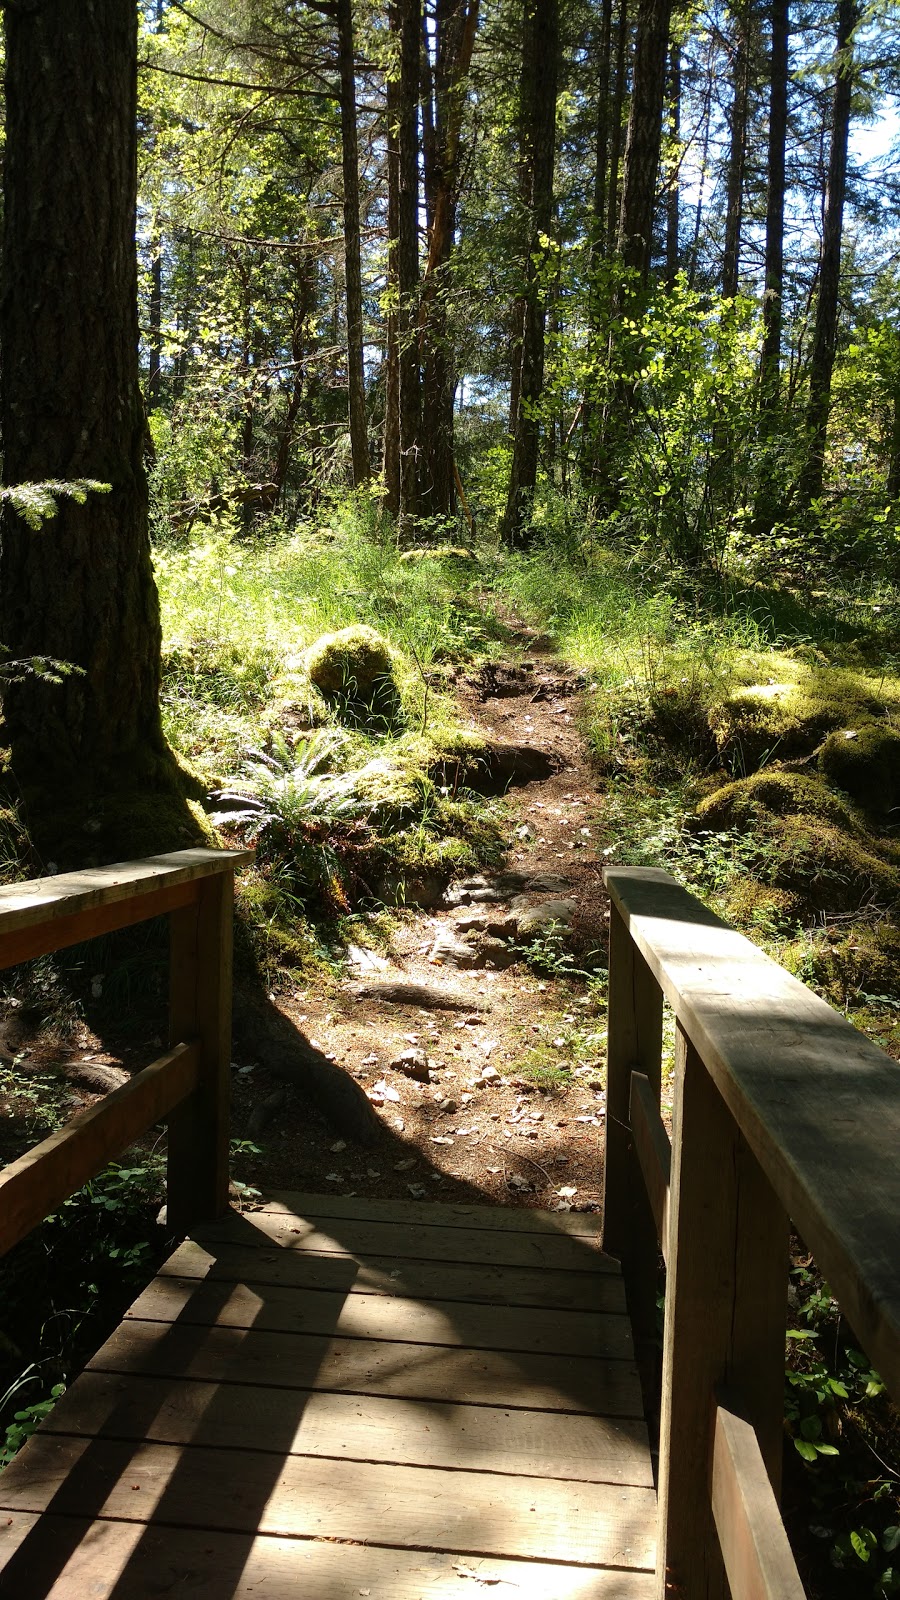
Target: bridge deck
[(336, 1398)]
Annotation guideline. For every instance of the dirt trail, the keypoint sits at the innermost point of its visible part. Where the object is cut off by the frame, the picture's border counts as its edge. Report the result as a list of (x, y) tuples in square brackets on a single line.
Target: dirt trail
[(479, 1127)]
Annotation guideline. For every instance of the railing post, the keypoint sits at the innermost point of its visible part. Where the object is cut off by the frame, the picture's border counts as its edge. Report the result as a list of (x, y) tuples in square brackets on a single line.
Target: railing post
[(200, 1008), (634, 1042), (726, 1296)]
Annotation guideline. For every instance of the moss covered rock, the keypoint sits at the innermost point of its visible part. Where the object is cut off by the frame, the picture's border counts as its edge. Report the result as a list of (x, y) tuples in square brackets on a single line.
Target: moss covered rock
[(808, 842), (437, 552), (738, 804), (865, 762), (354, 662)]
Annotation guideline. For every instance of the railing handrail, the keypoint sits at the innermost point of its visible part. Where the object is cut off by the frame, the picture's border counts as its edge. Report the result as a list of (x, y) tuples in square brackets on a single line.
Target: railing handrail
[(189, 1084), (782, 1110)]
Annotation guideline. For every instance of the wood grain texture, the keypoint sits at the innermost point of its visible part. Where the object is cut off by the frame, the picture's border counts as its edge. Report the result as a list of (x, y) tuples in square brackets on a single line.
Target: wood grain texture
[(200, 969), (45, 914), (364, 1316), (62, 1558), (310, 1497), (414, 1240), (755, 1547), (812, 1096), (371, 1366), (262, 1263), (654, 1153), (634, 1043), (31, 1187), (438, 1214), (535, 1444), (724, 1318)]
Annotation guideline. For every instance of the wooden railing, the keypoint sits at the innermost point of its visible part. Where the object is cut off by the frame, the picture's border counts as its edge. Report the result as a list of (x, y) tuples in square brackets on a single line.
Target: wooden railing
[(189, 1085), (782, 1110)]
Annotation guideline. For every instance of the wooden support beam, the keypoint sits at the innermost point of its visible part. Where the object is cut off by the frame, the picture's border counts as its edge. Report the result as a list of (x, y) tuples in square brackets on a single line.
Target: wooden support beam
[(654, 1152), (812, 1096), (31, 1187), (200, 1007), (755, 1547), (634, 1040), (48, 914), (726, 1296)]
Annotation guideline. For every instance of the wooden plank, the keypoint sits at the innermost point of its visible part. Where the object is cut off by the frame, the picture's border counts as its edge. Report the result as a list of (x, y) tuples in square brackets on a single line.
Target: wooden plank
[(812, 1096), (54, 1169), (307, 1497), (45, 914), (724, 1322), (369, 1366), (490, 1218), (537, 1444), (66, 1558), (414, 1240), (654, 1153), (634, 1042), (365, 1316), (200, 968), (260, 1263), (755, 1547)]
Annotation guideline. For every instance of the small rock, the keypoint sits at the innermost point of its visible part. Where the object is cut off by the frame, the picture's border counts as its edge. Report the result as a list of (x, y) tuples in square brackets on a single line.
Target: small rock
[(414, 1062), (404, 1166), (447, 1105), (533, 919), (489, 1074), (480, 919), (338, 1146), (449, 951)]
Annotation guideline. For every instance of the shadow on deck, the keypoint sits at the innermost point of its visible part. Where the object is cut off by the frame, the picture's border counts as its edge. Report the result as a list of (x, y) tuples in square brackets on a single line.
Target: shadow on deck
[(336, 1398)]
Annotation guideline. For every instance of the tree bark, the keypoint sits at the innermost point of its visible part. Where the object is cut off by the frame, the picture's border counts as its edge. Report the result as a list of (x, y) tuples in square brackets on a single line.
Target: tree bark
[(825, 333), (540, 54), (83, 751), (406, 22), (642, 144), (392, 332), (359, 441), (456, 22), (615, 143), (770, 356), (737, 151), (673, 220)]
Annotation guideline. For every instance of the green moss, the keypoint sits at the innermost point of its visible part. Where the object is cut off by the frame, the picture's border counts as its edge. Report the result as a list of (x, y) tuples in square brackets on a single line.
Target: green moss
[(740, 803), (760, 907), (865, 762), (438, 552), (355, 661), (789, 711), (807, 842), (856, 967)]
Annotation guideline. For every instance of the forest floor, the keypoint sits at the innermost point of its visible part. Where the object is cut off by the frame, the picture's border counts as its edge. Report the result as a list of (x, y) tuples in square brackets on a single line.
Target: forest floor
[(502, 1099)]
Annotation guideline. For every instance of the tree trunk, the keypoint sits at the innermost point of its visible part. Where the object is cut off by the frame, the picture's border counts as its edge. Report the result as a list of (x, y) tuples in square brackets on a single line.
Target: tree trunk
[(540, 53), (737, 151), (642, 144), (154, 376), (359, 441), (88, 754), (825, 334), (615, 143), (602, 148), (392, 332), (770, 357), (406, 22), (455, 26), (672, 194)]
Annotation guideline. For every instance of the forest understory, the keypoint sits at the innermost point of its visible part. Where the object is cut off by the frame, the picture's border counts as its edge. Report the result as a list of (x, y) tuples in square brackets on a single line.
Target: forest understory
[(421, 942)]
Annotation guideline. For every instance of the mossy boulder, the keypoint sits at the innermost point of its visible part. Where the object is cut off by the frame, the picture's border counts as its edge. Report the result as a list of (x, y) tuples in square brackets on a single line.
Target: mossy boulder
[(739, 804), (356, 662), (437, 552), (354, 672), (762, 721), (865, 763), (808, 842)]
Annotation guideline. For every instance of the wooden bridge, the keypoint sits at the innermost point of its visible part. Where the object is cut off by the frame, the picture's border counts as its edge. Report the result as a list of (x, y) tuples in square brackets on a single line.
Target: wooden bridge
[(332, 1398)]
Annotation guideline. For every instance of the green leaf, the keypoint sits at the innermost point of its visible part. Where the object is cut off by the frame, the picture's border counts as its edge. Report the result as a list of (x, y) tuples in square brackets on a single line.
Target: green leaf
[(806, 1450), (890, 1539)]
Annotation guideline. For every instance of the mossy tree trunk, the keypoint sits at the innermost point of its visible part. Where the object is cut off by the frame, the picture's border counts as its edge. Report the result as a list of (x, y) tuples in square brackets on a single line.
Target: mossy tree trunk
[(88, 755)]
